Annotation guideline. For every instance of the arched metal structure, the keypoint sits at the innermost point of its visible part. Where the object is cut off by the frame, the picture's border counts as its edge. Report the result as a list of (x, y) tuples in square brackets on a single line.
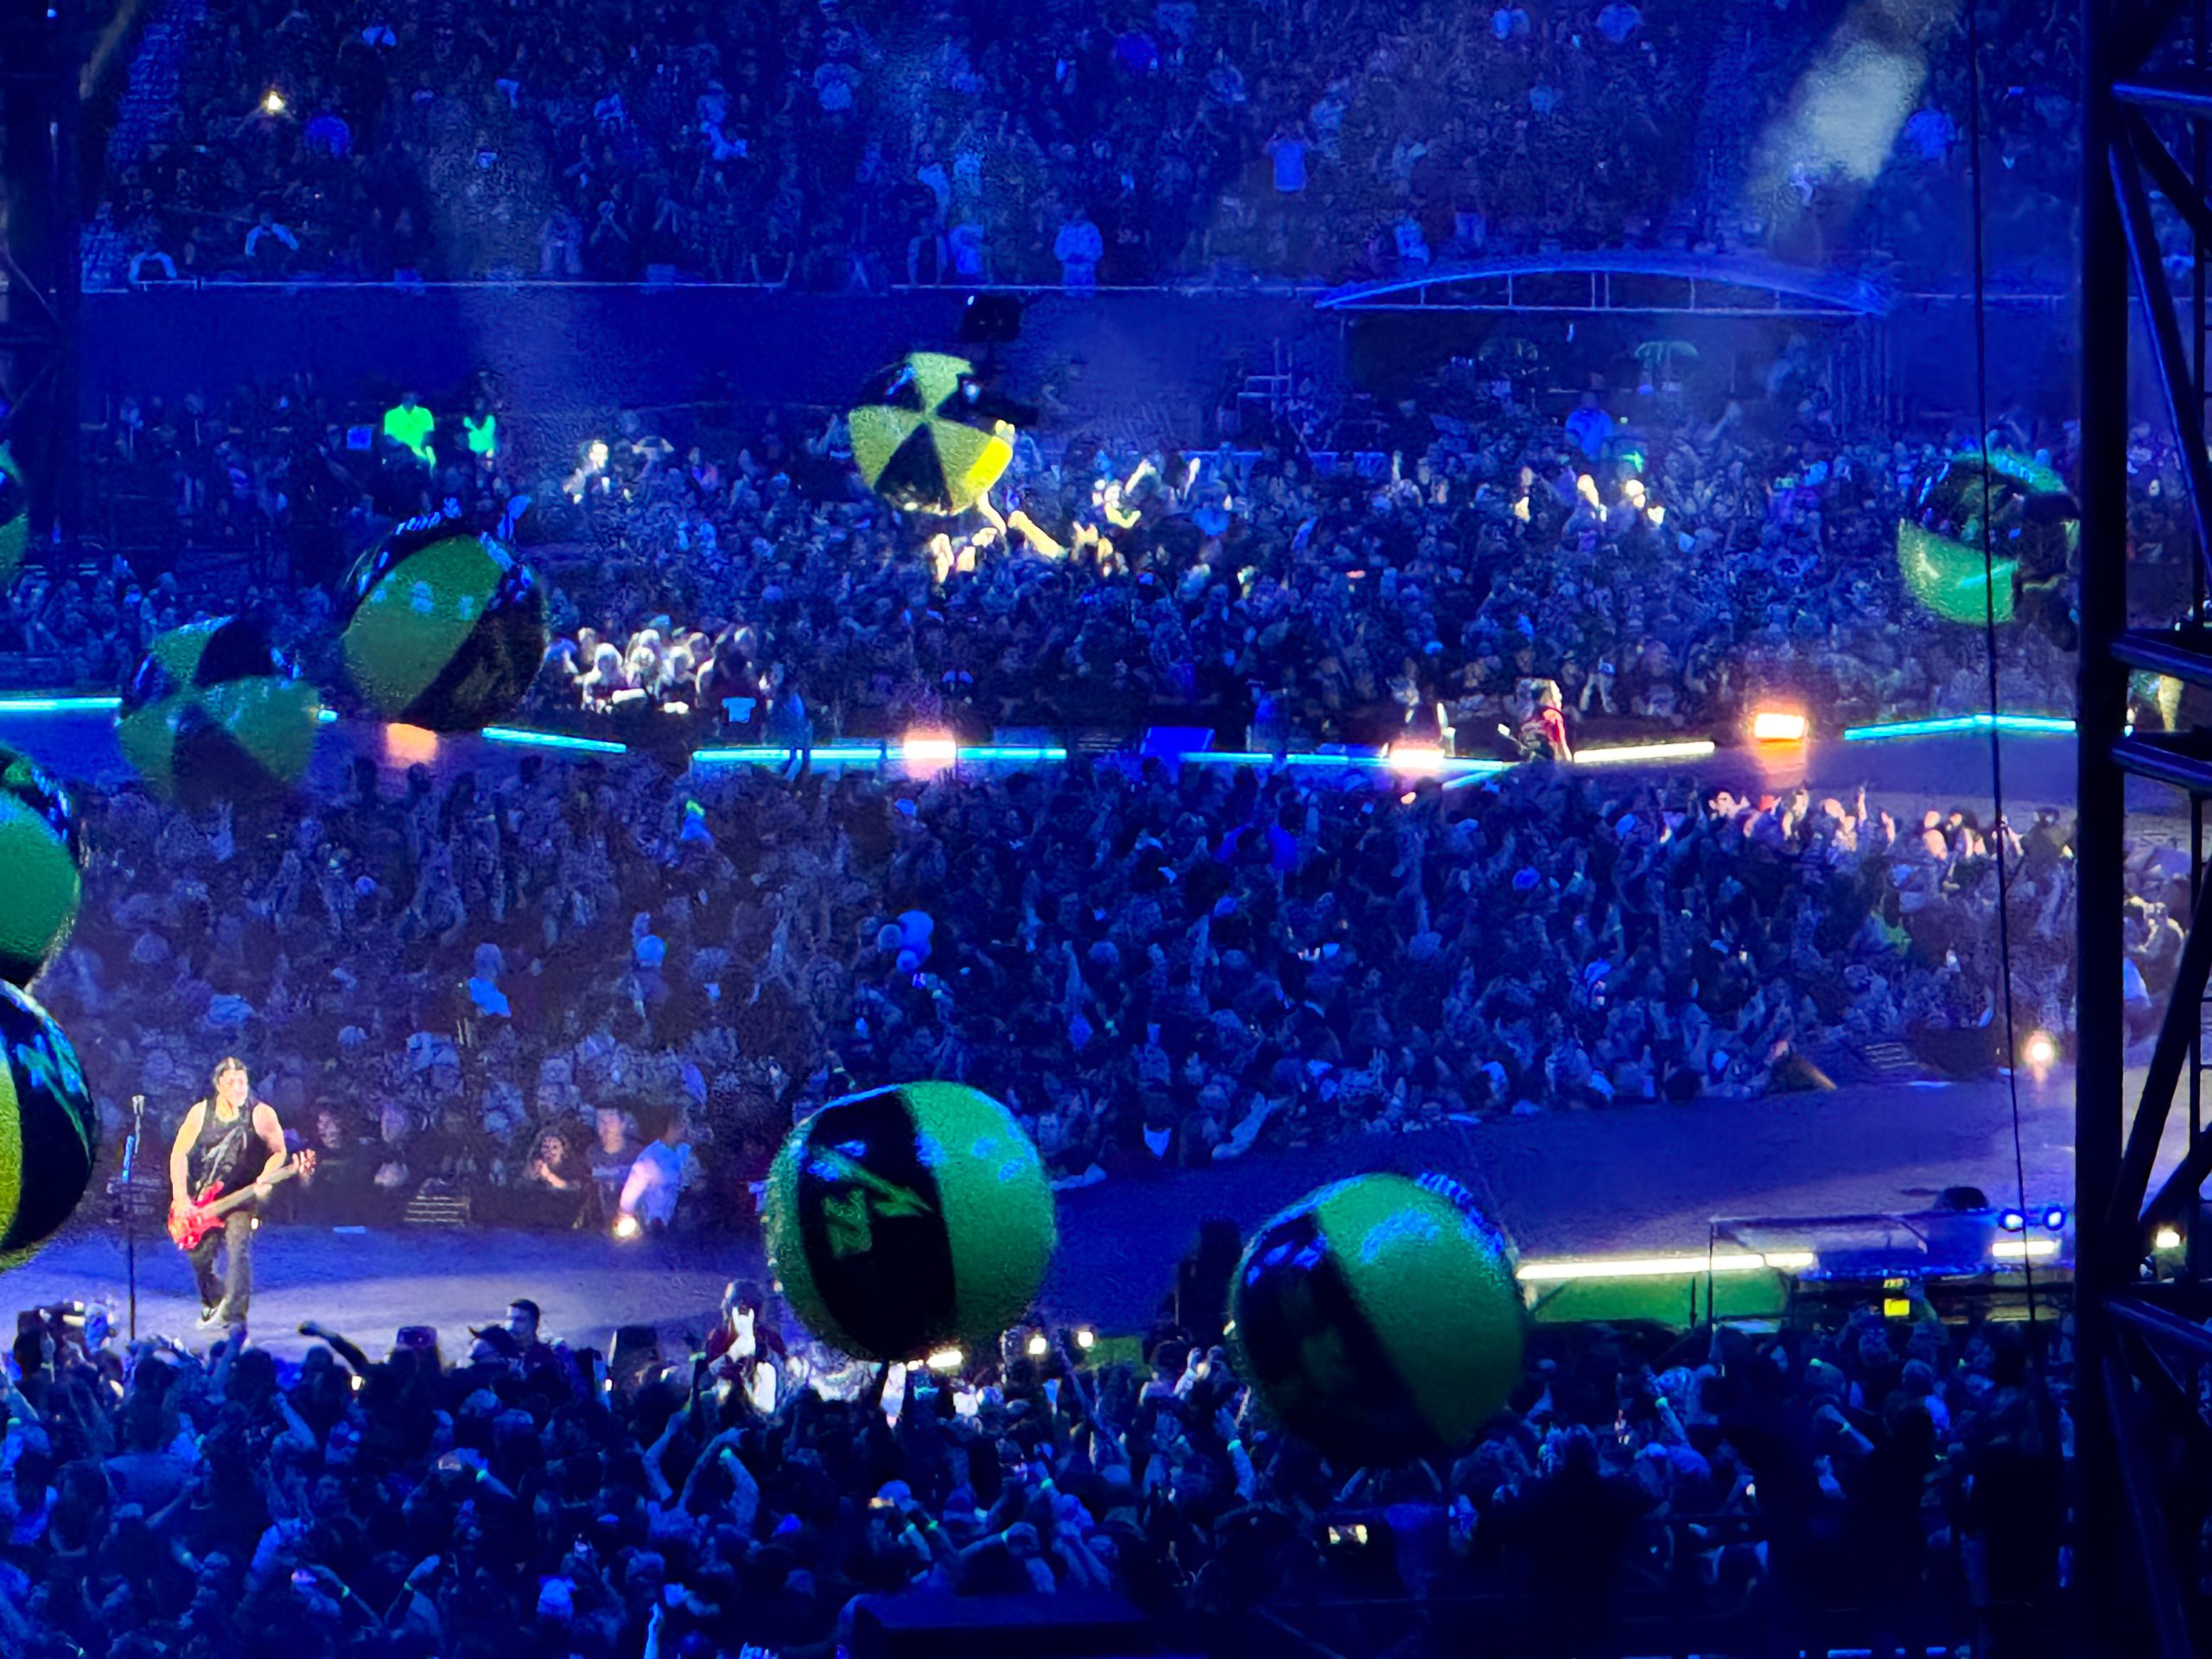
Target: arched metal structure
[(1631, 281)]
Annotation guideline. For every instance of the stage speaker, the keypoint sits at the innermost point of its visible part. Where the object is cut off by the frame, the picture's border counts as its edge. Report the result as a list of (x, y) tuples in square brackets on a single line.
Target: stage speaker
[(1202, 1280), (925, 1626), (990, 320)]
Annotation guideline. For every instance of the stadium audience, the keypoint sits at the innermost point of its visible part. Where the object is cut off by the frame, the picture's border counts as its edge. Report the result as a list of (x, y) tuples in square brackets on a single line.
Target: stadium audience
[(852, 145), (1684, 571), (521, 1500), (480, 975)]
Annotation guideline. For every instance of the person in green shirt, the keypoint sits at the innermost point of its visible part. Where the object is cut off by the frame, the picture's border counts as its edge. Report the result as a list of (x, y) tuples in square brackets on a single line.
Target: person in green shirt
[(408, 424), (483, 428)]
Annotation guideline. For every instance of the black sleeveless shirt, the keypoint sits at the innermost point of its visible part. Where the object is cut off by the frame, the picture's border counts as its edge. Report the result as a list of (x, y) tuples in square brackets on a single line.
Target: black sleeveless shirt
[(230, 1152)]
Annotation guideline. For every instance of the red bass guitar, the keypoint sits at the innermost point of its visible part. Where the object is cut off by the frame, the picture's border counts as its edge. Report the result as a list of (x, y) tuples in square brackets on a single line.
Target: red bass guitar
[(190, 1223)]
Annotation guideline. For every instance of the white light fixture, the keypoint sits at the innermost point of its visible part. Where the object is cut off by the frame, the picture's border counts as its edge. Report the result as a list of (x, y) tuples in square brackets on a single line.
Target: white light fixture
[(1416, 759), (928, 751), (1084, 1337), (272, 102), (1779, 726), (2024, 1250), (1662, 1267), (1634, 753), (2165, 1239), (946, 1360), (626, 1227), (1038, 1346)]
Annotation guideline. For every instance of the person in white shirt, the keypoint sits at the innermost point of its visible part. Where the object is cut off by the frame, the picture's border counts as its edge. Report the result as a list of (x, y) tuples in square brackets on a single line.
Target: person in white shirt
[(657, 1179)]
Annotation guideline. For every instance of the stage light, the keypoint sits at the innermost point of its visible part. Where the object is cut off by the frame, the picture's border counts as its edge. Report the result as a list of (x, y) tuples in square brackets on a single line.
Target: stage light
[(945, 1361), (410, 745), (1416, 759), (528, 740), (2054, 725), (59, 705), (1634, 753), (2011, 1221), (2041, 1051), (928, 751), (357, 1382), (1662, 1267), (2054, 1219), (597, 453), (272, 102), (1038, 1347), (2165, 1239), (626, 1227), (2023, 1249), (1085, 1338), (1779, 726)]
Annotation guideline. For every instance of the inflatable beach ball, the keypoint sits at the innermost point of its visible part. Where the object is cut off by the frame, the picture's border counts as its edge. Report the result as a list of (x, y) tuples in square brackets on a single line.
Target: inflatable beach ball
[(920, 439), (43, 850), (49, 1127), (214, 714), (446, 631), (1378, 1319), (909, 1219)]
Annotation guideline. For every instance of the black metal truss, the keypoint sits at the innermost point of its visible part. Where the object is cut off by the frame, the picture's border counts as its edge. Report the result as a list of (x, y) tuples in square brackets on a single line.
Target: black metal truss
[(2137, 1353), (40, 63)]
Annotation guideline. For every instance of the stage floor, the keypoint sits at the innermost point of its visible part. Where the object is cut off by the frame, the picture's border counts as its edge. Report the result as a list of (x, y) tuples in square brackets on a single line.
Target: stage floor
[(1634, 1181)]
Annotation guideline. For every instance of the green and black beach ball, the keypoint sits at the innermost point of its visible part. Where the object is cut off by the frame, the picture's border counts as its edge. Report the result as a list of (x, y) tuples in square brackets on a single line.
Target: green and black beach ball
[(214, 714), (909, 1219), (920, 439), (43, 850), (447, 630), (49, 1127), (1378, 1319)]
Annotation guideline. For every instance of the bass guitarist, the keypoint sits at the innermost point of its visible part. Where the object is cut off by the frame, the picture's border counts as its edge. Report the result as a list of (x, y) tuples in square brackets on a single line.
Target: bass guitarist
[(225, 1142)]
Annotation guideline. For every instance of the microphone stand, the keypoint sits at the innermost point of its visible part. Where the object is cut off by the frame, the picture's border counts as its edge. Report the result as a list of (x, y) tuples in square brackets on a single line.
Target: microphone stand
[(131, 1207)]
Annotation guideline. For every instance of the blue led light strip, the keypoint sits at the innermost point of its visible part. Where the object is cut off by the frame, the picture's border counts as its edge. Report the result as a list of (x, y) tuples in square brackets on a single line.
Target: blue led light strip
[(59, 705), (2052, 725), (529, 740)]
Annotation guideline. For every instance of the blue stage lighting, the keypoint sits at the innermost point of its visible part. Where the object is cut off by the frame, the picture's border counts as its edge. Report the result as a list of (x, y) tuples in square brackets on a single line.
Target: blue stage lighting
[(2013, 1221), (2054, 1218)]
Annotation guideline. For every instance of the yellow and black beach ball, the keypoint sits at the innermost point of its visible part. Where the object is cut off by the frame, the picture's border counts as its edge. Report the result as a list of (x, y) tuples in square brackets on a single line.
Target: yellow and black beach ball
[(43, 850), (447, 630), (908, 1219), (214, 713), (921, 438), (49, 1127), (1378, 1318)]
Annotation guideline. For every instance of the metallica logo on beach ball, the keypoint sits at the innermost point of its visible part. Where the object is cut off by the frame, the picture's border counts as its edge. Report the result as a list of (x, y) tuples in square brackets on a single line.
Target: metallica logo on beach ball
[(1378, 1318), (49, 1127), (447, 630), (906, 1219)]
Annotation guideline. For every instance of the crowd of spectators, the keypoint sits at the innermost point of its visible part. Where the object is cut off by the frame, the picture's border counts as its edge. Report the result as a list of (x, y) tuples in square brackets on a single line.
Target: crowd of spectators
[(522, 1501), (470, 982), (851, 144), (1666, 572)]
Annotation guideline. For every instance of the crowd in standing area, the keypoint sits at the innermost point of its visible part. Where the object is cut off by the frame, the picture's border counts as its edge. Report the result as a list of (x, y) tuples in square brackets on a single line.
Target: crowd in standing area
[(520, 1501), (493, 981), (851, 144)]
